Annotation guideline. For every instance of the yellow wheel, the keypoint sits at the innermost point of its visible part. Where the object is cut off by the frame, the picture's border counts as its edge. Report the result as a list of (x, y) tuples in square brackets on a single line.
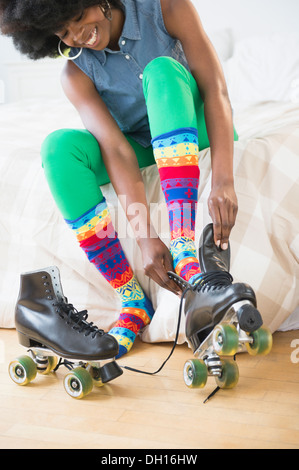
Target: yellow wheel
[(95, 371), (230, 374), (46, 364), (78, 383), (22, 370), (225, 339), (195, 373), (262, 342)]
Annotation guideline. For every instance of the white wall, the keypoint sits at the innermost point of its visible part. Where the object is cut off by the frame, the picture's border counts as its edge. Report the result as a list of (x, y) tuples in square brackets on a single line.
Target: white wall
[(249, 17), (22, 78), (27, 79)]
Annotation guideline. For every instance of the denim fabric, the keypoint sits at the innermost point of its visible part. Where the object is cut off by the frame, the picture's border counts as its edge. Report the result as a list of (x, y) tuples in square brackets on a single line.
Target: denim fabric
[(118, 75)]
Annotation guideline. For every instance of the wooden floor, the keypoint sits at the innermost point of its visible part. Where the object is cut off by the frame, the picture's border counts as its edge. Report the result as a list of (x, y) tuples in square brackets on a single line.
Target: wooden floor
[(156, 412)]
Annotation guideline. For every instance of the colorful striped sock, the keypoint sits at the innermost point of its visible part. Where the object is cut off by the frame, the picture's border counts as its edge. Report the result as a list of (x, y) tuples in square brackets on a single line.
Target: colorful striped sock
[(97, 237), (176, 154)]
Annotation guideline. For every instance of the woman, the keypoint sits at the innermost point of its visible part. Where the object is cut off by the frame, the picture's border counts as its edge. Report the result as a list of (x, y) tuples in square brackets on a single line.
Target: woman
[(149, 88)]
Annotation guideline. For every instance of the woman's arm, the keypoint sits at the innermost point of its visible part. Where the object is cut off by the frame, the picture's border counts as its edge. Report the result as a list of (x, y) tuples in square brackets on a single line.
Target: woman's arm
[(182, 22), (122, 168)]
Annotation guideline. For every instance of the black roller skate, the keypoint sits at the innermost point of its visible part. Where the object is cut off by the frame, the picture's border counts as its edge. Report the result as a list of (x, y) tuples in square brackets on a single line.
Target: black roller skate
[(221, 317), (48, 326)]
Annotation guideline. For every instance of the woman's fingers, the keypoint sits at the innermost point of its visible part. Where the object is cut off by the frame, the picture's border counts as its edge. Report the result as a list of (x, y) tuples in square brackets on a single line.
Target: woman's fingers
[(223, 211), (157, 262)]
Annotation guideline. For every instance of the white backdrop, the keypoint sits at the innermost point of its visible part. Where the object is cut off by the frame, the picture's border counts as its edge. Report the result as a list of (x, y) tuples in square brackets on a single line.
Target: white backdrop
[(22, 79), (249, 17)]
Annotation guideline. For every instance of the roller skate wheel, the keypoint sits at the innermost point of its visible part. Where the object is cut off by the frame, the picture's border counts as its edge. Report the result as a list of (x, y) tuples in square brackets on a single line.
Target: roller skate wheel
[(46, 364), (78, 383), (262, 342), (23, 370), (230, 374), (225, 340), (95, 371), (195, 373)]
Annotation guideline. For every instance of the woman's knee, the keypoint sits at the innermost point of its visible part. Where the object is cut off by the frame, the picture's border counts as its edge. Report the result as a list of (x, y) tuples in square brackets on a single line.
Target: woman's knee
[(63, 146), (164, 73), (163, 68), (55, 145), (159, 64)]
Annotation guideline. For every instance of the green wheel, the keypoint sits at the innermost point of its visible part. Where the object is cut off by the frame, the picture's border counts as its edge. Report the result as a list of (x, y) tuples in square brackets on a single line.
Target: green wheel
[(78, 383), (225, 339), (262, 342), (230, 374), (22, 370), (195, 373)]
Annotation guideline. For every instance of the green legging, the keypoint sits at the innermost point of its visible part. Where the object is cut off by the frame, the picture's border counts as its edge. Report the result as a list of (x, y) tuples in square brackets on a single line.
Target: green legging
[(72, 158)]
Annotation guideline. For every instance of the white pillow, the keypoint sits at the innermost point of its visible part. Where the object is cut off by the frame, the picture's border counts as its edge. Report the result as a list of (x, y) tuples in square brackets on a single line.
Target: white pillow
[(264, 68)]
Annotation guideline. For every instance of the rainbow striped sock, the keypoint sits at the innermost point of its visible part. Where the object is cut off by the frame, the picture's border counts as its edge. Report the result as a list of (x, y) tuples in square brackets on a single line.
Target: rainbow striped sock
[(176, 154), (97, 237)]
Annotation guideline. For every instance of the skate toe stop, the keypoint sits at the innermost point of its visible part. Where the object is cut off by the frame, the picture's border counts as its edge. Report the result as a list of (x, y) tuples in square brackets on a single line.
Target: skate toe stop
[(249, 318)]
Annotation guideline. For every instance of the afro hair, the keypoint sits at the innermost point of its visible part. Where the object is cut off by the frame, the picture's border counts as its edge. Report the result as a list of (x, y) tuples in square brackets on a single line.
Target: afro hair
[(32, 23)]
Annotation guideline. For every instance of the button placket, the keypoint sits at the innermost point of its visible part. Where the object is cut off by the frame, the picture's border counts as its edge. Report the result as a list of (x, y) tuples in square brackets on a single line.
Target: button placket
[(135, 66)]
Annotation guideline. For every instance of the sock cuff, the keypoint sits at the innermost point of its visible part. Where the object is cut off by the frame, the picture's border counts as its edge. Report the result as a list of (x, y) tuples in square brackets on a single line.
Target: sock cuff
[(176, 133), (88, 215)]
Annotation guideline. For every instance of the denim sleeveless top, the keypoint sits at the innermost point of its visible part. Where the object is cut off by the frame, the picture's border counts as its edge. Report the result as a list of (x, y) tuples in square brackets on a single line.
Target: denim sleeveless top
[(117, 75)]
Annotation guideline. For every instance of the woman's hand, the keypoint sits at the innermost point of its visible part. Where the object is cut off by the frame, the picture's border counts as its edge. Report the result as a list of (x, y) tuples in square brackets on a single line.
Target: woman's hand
[(223, 208), (157, 260)]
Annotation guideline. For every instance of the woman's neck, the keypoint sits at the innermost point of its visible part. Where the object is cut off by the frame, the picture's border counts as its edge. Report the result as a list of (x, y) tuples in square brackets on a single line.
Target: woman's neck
[(117, 24)]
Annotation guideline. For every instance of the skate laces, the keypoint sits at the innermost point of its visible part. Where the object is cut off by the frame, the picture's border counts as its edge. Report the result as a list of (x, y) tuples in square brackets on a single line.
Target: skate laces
[(212, 280), (77, 318), (174, 343)]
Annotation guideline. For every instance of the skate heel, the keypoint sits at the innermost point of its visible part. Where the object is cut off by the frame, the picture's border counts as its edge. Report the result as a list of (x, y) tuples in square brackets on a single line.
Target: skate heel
[(27, 342), (249, 318)]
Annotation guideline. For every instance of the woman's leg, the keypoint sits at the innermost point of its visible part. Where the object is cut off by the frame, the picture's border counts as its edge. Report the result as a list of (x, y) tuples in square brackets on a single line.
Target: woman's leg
[(177, 123), (74, 170), (173, 124)]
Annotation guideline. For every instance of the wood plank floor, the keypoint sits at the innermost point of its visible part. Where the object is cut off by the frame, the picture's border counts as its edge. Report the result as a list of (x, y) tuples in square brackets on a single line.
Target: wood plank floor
[(156, 412)]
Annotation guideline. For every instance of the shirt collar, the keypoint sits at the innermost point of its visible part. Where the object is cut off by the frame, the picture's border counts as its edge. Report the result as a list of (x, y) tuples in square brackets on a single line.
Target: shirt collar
[(130, 30)]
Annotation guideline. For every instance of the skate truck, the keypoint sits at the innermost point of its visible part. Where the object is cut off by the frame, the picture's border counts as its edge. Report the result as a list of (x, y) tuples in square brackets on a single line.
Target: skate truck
[(221, 319), (56, 334)]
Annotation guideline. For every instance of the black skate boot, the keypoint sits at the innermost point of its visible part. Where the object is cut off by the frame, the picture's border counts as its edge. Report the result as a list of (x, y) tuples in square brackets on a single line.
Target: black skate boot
[(212, 258), (48, 326), (219, 292), (221, 316)]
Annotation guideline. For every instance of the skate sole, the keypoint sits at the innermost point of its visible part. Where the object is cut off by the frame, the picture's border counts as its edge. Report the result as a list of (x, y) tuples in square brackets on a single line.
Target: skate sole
[(29, 342)]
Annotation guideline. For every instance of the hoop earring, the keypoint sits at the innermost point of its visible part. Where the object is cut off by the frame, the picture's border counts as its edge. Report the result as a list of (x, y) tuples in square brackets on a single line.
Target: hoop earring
[(67, 57), (107, 10)]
